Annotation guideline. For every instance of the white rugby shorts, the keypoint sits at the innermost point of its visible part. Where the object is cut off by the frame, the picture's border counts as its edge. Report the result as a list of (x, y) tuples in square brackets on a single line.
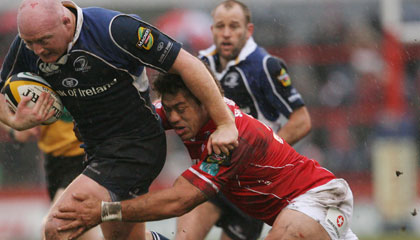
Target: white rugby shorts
[(331, 205)]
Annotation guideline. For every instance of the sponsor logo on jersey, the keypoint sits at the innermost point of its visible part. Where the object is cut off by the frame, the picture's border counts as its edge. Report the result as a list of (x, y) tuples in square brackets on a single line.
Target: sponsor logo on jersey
[(84, 92), (48, 68), (145, 38), (220, 159), (70, 82), (231, 80), (81, 64), (160, 46), (284, 78), (210, 168), (336, 219), (165, 52)]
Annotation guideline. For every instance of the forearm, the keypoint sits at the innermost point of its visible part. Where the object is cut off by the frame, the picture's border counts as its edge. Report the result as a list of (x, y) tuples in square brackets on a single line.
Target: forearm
[(201, 83), (163, 204), (298, 126)]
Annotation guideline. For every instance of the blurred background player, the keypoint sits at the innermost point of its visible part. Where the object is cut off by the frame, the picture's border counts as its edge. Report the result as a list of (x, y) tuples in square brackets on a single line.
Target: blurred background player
[(261, 86), (63, 157)]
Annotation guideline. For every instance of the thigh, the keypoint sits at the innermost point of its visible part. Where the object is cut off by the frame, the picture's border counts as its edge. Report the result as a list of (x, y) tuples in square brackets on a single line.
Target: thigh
[(82, 184), (111, 230), (196, 224), (93, 234), (291, 224)]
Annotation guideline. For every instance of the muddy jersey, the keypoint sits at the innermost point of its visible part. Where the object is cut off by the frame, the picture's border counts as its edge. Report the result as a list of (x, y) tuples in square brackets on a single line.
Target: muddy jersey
[(101, 79), (261, 176), (258, 82)]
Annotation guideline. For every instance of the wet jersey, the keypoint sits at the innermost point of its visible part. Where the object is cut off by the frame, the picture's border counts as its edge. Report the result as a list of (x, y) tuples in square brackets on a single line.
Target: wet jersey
[(258, 82), (261, 176), (101, 79)]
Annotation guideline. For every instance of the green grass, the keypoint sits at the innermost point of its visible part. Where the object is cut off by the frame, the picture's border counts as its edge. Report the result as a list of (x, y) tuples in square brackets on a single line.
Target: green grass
[(400, 236)]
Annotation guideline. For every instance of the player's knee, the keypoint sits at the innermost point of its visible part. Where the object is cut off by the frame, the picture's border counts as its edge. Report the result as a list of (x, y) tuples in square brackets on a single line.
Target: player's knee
[(284, 232), (50, 229)]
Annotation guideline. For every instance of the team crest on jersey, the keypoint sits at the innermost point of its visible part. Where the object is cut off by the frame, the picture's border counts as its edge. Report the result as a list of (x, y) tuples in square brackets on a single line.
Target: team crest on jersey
[(284, 78), (220, 159), (231, 80), (81, 64), (145, 38), (210, 168)]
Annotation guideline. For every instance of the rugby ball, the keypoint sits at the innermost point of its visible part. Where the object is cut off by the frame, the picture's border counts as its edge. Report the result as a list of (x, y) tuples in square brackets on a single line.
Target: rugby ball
[(28, 84)]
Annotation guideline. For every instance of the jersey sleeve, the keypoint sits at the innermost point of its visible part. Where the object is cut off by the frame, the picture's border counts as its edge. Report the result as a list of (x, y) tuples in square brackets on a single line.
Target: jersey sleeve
[(144, 42), (17, 60), (279, 89)]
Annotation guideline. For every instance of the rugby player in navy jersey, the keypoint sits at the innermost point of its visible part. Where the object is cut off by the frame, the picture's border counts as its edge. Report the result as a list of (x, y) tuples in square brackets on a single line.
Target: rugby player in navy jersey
[(92, 58), (264, 177), (260, 84)]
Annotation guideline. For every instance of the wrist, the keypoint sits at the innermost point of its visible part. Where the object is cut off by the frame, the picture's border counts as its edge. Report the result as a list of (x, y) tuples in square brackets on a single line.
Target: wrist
[(111, 211)]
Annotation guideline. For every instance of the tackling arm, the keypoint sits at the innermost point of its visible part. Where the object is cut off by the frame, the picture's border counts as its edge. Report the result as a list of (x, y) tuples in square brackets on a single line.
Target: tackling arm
[(171, 202), (201, 83), (86, 212)]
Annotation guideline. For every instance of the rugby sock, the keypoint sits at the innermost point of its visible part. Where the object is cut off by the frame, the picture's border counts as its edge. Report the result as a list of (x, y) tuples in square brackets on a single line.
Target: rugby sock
[(157, 236)]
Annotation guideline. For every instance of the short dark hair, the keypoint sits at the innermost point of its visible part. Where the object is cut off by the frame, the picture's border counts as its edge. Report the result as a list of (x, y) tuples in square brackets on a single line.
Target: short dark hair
[(228, 4), (167, 83)]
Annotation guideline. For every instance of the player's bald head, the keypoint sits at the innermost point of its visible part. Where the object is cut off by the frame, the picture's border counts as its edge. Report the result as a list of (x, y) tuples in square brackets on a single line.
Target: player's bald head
[(39, 13)]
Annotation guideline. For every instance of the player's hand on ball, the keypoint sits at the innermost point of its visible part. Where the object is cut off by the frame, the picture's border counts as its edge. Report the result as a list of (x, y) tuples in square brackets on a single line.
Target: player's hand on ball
[(27, 117), (224, 139), (83, 214)]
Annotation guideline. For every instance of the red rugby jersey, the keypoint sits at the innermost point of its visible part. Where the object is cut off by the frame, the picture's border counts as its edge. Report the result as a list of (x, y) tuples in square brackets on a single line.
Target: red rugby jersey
[(262, 175)]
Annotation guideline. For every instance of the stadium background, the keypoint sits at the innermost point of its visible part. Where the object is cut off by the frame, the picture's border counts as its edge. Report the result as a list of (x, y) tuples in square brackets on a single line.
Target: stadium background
[(357, 70)]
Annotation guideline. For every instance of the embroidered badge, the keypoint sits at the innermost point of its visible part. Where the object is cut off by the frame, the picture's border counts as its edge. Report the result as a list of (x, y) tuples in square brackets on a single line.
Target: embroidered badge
[(210, 168), (284, 78), (220, 159), (145, 38)]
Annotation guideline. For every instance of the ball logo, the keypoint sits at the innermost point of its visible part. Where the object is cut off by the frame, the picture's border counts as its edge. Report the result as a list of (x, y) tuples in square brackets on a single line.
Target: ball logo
[(340, 221), (26, 84), (70, 82)]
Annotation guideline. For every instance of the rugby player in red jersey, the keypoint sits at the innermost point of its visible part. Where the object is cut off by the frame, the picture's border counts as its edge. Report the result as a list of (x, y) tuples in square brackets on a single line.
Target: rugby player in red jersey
[(264, 176)]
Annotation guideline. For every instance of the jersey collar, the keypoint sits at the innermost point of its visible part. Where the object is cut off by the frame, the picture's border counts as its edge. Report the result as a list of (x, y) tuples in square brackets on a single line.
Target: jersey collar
[(211, 54), (79, 22)]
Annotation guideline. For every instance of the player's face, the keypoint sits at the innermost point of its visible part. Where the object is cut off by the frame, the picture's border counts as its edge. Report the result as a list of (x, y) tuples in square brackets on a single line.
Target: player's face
[(184, 114), (230, 31), (49, 42)]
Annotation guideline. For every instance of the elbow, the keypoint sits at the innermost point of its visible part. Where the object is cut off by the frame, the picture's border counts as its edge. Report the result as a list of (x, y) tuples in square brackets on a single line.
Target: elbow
[(307, 127)]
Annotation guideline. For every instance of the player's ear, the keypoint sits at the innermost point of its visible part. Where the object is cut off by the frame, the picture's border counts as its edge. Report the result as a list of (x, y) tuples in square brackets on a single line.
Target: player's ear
[(250, 29)]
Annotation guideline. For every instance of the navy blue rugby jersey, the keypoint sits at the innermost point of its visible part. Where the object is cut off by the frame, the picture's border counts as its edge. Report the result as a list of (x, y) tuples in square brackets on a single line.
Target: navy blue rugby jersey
[(258, 82), (101, 79)]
